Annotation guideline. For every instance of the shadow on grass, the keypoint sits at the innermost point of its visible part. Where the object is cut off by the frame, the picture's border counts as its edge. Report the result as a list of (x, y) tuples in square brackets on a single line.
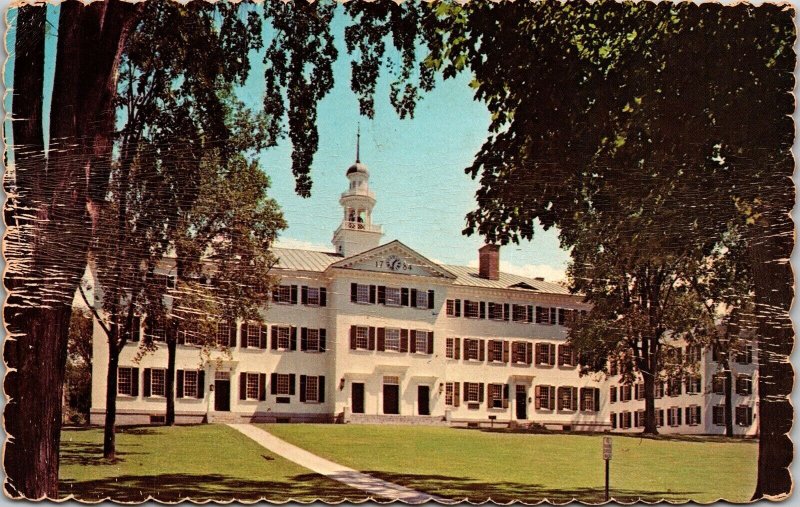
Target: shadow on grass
[(217, 487), (459, 488), (87, 454), (720, 439)]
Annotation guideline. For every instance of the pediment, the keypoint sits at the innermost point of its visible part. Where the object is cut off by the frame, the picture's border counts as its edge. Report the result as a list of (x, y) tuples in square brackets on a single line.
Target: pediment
[(394, 258)]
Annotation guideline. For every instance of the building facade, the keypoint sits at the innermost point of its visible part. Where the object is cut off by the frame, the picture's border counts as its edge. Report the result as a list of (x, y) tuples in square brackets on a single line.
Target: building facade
[(375, 332)]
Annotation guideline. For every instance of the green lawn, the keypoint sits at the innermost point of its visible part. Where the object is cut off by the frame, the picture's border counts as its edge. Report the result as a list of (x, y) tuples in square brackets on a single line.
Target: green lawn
[(505, 466), (201, 462)]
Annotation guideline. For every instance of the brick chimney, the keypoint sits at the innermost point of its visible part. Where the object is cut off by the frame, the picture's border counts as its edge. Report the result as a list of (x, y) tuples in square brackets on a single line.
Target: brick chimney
[(489, 262)]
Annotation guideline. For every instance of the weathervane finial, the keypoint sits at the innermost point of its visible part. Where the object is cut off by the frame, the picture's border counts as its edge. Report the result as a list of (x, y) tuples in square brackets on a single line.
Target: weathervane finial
[(358, 144)]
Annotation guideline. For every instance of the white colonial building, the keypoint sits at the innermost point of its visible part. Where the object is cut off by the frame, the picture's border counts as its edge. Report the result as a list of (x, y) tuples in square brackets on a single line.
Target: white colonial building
[(377, 332)]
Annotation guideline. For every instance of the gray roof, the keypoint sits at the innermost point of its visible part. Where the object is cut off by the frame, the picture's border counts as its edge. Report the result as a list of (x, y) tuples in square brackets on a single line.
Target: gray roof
[(304, 260), (469, 276), (310, 260)]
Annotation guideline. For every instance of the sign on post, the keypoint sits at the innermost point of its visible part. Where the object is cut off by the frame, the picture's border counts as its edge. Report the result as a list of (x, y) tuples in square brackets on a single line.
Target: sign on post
[(607, 458)]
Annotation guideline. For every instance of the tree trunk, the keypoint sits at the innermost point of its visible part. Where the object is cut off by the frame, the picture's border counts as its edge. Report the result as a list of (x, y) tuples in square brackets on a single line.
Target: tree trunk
[(770, 248), (169, 385), (650, 426), (728, 399), (48, 236), (109, 426)]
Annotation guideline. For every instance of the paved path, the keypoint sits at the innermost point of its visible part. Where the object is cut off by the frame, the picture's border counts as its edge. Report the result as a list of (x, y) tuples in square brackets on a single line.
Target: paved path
[(353, 478)]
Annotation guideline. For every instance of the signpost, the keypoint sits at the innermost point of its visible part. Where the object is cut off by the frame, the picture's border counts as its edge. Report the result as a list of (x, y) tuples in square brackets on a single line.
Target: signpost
[(607, 458)]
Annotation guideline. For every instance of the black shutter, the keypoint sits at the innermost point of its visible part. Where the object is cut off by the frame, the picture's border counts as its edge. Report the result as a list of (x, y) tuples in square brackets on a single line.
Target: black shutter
[(322, 340), (181, 338), (430, 300), (243, 386), (201, 384), (552, 349), (353, 292), (302, 388), (481, 350), (430, 342), (303, 338), (146, 387), (404, 340), (372, 290), (273, 383), (596, 399), (529, 353), (413, 298), (291, 384), (505, 311), (136, 328), (552, 402), (232, 334), (480, 392), (680, 417), (371, 339), (505, 395), (294, 294), (457, 348), (293, 338), (352, 337), (179, 386), (381, 339), (466, 391), (456, 394), (490, 311), (323, 296), (413, 344), (381, 294), (263, 336), (274, 344), (404, 299), (244, 334), (262, 387), (482, 310), (304, 294), (505, 351), (321, 389), (529, 314), (458, 308), (134, 382)]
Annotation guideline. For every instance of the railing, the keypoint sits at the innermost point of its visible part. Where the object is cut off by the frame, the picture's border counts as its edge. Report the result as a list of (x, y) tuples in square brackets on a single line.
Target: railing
[(360, 226)]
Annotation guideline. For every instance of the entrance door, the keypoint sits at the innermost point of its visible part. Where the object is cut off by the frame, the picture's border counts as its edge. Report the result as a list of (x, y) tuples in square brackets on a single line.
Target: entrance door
[(423, 400), (358, 397), (222, 395), (391, 399), (522, 402)]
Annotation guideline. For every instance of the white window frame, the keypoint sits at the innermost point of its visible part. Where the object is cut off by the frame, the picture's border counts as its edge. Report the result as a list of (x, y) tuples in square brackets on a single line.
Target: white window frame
[(283, 295), (422, 299), (473, 392), (471, 344), (362, 338), (284, 337), (313, 296), (161, 383), (495, 346), (253, 335), (421, 341), (515, 316), (472, 304), (223, 332), (391, 341), (251, 386), (123, 381), (449, 394), (362, 294), (393, 296), (282, 384), (312, 389), (190, 383), (312, 340)]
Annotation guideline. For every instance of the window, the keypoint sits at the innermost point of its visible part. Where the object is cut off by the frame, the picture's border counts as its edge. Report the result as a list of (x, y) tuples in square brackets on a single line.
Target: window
[(421, 342), (472, 349), (393, 296), (545, 353), (745, 354), (282, 294), (453, 348), (253, 334), (362, 293), (519, 313), (392, 342), (498, 396), (613, 368), (693, 354), (638, 419), (282, 384), (694, 384), (283, 336), (744, 385), (495, 311), (158, 377), (473, 392), (567, 398), (471, 309), (190, 383), (422, 299), (625, 392), (659, 389), (252, 386), (744, 415), (660, 417), (590, 399), (693, 415), (495, 351), (310, 390), (223, 332), (545, 397), (128, 381), (312, 296), (521, 352), (625, 420), (545, 315), (562, 316), (674, 387), (638, 391), (313, 342), (362, 338), (718, 383), (674, 416), (453, 308), (566, 355), (718, 415), (612, 394), (451, 394)]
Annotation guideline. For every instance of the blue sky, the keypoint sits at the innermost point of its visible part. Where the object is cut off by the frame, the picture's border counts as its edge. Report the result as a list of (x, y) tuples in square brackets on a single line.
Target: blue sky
[(416, 167)]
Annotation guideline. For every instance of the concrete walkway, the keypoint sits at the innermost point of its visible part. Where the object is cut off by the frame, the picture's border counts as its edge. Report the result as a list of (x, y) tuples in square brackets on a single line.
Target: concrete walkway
[(353, 478)]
